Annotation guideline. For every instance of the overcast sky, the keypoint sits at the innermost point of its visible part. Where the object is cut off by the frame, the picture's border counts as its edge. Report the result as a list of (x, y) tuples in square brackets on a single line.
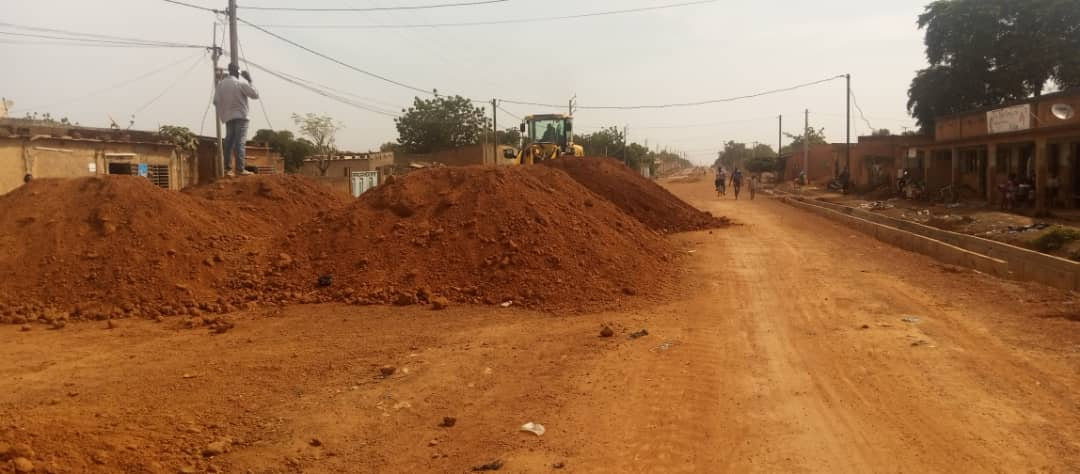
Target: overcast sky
[(716, 50)]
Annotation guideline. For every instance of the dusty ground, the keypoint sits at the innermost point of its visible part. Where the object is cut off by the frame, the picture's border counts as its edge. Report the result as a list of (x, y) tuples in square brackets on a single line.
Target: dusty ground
[(785, 352), (974, 218)]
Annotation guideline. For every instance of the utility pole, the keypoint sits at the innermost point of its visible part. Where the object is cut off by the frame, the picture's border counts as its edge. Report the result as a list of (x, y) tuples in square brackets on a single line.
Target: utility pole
[(572, 104), (234, 40), (779, 136), (219, 159), (806, 147), (495, 131), (847, 149), (626, 145)]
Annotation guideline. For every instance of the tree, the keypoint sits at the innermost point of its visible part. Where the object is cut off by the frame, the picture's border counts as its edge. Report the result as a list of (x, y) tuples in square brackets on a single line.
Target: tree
[(983, 53), (283, 142), (440, 123), (604, 142), (510, 136), (389, 147), (185, 141), (736, 154), (322, 130), (881, 132), (817, 137)]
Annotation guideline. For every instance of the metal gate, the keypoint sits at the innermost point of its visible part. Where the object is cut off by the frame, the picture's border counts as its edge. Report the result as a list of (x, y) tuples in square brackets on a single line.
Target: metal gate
[(363, 181)]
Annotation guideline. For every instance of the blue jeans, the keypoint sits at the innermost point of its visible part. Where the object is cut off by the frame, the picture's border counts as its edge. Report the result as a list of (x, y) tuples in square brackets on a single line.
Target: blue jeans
[(235, 140)]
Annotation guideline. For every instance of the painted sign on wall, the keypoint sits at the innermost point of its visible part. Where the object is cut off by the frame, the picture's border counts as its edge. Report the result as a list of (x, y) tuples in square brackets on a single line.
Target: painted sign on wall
[(1009, 119)]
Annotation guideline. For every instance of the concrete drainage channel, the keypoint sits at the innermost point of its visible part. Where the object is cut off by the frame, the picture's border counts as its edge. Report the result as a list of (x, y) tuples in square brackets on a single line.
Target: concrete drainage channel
[(984, 255)]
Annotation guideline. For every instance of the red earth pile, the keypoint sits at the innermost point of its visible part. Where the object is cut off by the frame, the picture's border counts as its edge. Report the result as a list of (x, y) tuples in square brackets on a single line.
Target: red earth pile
[(117, 246), (637, 196), (532, 236), (97, 248), (281, 200)]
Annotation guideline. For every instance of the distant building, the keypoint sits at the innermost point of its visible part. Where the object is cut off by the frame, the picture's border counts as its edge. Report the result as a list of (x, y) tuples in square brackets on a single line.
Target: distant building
[(51, 150), (1034, 139)]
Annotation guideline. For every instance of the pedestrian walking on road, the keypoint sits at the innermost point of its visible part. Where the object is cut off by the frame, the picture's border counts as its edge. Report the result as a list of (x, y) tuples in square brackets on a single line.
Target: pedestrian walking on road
[(721, 182), (231, 100), (736, 181)]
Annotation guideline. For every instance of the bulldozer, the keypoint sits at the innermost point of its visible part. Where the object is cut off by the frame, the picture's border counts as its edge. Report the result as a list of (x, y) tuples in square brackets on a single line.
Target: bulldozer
[(545, 137)]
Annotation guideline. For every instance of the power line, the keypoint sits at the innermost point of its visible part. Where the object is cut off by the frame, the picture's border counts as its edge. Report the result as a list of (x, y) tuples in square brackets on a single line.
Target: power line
[(179, 78), (856, 103), (511, 114), (84, 36), (334, 60), (712, 101), (374, 9), (117, 85), (537, 104), (357, 100), (506, 21), (262, 102), (197, 7), (139, 43), (300, 83)]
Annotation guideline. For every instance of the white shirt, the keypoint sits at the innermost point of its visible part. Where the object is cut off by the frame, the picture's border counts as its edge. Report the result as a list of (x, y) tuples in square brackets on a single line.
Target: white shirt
[(231, 98)]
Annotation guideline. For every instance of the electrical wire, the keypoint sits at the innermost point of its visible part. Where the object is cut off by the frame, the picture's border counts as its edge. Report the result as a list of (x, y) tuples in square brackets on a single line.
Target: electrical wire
[(318, 91), (511, 114), (104, 41), (197, 7), (375, 9), (262, 103), (74, 44), (537, 104), (356, 100), (179, 78), (334, 60), (117, 85), (711, 101), (82, 35), (863, 116), (502, 22), (210, 103)]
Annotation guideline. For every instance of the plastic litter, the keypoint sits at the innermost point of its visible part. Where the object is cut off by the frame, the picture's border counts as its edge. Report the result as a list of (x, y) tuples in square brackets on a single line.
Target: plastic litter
[(507, 304), (641, 333), (912, 320), (663, 347), (534, 428)]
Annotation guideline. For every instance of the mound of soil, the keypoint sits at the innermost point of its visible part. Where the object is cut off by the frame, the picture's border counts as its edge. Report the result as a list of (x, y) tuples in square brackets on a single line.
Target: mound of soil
[(101, 247), (532, 236), (283, 200), (637, 196)]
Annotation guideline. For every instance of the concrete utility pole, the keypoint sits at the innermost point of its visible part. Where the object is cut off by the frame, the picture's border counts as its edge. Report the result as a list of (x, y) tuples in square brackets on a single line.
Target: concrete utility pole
[(495, 131), (779, 136), (234, 40), (219, 164), (806, 147), (626, 145), (847, 149)]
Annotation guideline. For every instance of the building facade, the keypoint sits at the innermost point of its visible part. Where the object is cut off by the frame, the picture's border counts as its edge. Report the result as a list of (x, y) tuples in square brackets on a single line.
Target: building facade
[(1036, 140), (51, 150)]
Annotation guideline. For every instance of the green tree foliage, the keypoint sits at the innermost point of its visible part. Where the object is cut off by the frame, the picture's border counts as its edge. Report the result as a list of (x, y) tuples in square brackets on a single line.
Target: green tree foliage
[(737, 155), (440, 123), (283, 142), (604, 142), (983, 53), (510, 137), (817, 137), (185, 141), (322, 131)]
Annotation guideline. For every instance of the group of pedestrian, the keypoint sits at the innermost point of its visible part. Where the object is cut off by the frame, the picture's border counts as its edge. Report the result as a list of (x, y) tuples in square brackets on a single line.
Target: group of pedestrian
[(1015, 191), (736, 182)]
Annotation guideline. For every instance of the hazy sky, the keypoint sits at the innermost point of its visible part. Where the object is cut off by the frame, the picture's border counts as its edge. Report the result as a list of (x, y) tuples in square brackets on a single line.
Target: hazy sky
[(723, 49)]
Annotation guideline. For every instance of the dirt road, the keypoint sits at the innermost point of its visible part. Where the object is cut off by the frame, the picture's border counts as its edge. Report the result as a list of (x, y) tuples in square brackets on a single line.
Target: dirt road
[(787, 350)]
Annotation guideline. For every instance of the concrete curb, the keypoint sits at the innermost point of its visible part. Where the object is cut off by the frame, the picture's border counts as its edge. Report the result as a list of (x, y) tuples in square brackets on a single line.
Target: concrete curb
[(988, 256)]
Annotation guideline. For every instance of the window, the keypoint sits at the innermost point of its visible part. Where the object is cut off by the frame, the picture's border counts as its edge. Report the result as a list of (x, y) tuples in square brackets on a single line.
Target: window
[(122, 168), (548, 131), (159, 175)]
